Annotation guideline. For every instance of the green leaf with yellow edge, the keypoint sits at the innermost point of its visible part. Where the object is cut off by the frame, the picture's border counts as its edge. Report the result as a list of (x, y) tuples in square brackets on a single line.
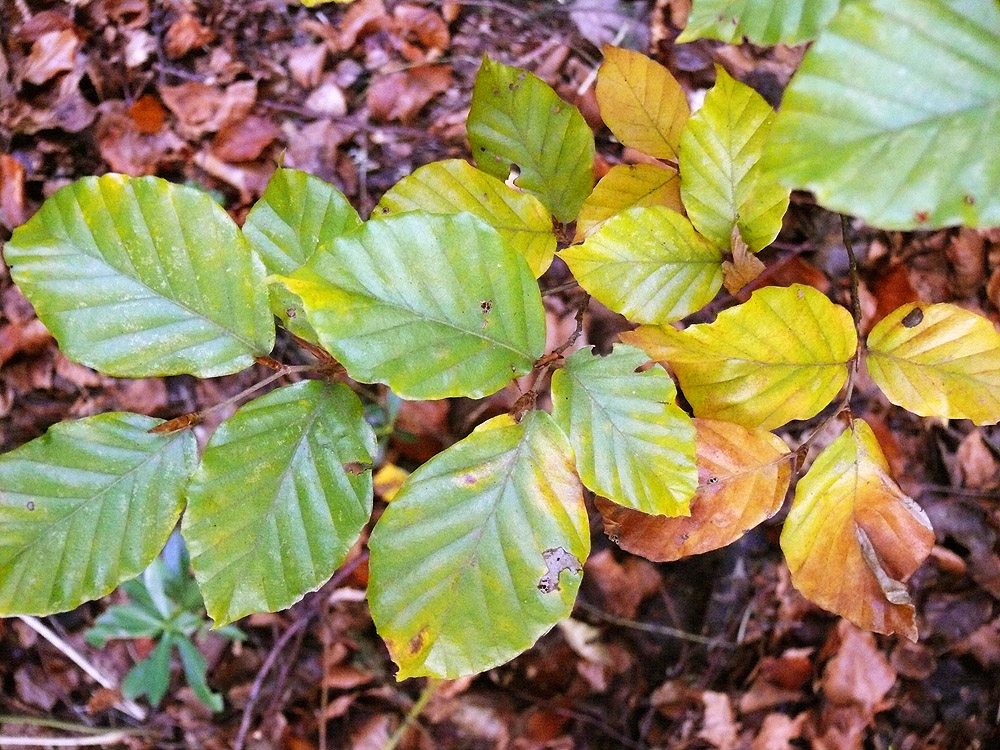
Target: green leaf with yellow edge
[(295, 214), (516, 119), (763, 22), (432, 306), (138, 277), (85, 507), (647, 264), (641, 103), (938, 361), (283, 492), (452, 186), (781, 355), (722, 183), (627, 186), (893, 115), (852, 537), (633, 444), (743, 476), (480, 552)]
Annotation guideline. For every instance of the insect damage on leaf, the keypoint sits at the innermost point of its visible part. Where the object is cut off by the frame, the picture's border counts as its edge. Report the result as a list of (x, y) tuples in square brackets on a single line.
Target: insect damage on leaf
[(557, 560)]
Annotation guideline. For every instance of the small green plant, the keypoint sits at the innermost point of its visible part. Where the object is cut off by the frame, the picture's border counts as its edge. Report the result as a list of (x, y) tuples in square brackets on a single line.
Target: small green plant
[(436, 296), (164, 605)]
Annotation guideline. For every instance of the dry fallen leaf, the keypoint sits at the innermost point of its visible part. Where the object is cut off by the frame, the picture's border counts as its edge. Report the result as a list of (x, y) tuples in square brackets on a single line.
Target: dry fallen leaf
[(401, 95), (184, 35), (743, 268), (148, 114), (51, 54), (127, 148), (202, 109), (978, 465), (719, 726), (245, 140), (742, 480), (12, 210)]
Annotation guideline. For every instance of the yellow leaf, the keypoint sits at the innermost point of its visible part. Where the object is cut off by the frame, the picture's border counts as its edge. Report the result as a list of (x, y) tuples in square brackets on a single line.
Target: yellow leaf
[(938, 361), (742, 479), (647, 264), (627, 186), (641, 102), (743, 268), (388, 480), (781, 355), (852, 537)]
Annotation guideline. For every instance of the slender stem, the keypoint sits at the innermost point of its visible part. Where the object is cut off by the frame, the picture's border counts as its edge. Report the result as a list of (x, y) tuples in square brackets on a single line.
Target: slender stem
[(572, 284), (130, 707), (411, 716), (110, 738), (649, 627), (67, 726)]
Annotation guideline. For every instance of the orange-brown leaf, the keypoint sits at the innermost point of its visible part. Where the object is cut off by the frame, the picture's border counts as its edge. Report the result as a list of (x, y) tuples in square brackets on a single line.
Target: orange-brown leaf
[(742, 479), (852, 537)]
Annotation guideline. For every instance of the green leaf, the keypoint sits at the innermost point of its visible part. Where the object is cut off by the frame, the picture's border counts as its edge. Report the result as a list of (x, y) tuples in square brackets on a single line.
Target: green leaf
[(763, 22), (432, 306), (722, 182), (517, 119), (138, 277), (453, 186), (151, 676), (295, 214), (627, 186), (779, 356), (633, 444), (649, 264), (195, 669), (641, 102), (479, 553), (87, 506), (279, 499), (894, 112)]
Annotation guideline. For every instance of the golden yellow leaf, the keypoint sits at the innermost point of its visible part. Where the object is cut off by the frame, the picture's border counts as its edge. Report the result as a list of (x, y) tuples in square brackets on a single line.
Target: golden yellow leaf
[(852, 536), (627, 186), (742, 479), (641, 102), (938, 361), (781, 355)]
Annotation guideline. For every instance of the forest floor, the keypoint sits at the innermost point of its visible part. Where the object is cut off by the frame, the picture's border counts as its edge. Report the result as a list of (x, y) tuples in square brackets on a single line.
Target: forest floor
[(716, 651)]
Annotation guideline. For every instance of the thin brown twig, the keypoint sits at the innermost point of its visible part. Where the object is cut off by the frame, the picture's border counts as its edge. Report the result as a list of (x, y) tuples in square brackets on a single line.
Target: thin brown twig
[(651, 627), (116, 737)]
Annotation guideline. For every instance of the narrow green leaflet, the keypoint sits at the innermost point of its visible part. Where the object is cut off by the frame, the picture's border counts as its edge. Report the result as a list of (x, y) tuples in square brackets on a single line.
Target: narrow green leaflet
[(649, 264), (627, 186), (763, 22), (295, 214), (87, 506), (781, 355), (138, 277), (452, 186), (432, 306), (890, 107), (633, 444), (722, 182), (480, 552), (282, 493), (518, 121)]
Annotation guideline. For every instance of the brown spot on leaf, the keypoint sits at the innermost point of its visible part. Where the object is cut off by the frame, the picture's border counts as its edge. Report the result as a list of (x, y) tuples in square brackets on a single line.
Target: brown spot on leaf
[(913, 318), (417, 642), (356, 467), (486, 305), (970, 200), (557, 560), (921, 216)]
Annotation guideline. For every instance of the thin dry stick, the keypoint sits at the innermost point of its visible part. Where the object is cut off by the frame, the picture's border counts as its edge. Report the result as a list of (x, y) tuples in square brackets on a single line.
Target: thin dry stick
[(130, 707), (651, 627), (411, 716), (111, 738)]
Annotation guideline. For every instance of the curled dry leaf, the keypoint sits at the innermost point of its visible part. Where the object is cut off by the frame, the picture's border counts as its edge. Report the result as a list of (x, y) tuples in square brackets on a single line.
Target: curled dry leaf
[(743, 268), (245, 140), (852, 537), (51, 54), (184, 35), (401, 95), (742, 479), (201, 108)]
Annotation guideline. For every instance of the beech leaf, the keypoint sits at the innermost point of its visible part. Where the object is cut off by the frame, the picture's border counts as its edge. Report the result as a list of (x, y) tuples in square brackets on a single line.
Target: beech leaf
[(626, 186), (781, 355), (633, 444), (480, 552), (763, 22), (722, 183), (743, 476), (852, 537), (647, 264), (641, 103), (938, 361)]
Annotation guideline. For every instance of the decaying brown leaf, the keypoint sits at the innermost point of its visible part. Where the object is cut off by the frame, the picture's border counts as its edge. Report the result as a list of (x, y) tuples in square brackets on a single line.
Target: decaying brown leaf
[(743, 268), (202, 109), (401, 95), (51, 54), (742, 479), (186, 34)]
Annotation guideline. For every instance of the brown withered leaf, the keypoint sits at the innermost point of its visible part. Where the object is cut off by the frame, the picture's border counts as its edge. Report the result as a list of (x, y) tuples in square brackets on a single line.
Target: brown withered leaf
[(148, 114), (184, 35), (12, 210), (61, 106), (362, 18), (423, 34), (967, 255), (52, 53), (245, 140), (401, 95), (743, 268), (719, 726), (202, 109), (742, 479), (127, 148), (853, 537)]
